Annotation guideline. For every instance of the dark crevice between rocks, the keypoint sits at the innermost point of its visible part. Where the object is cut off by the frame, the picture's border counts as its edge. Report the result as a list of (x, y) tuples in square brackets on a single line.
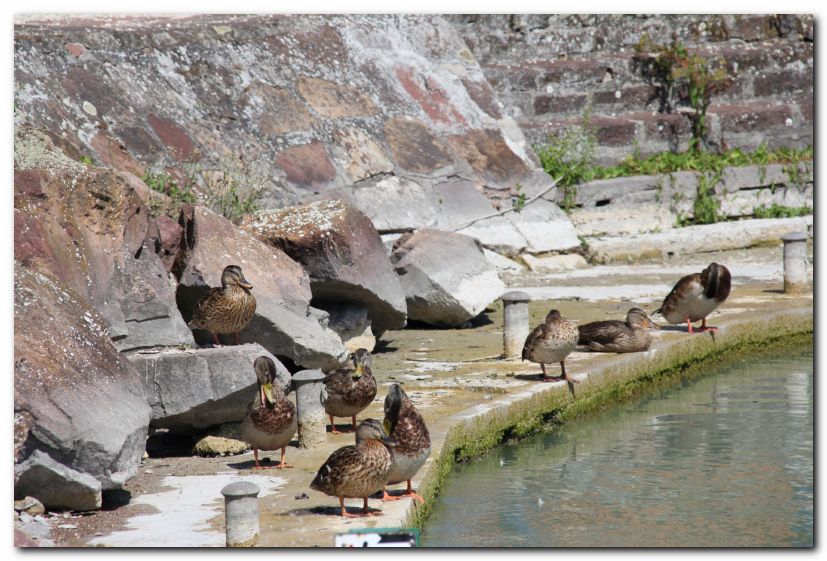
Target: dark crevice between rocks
[(166, 443)]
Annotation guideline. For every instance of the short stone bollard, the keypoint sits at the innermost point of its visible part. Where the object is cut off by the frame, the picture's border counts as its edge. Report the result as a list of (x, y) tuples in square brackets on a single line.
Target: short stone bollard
[(241, 513), (312, 420), (515, 314), (795, 262)]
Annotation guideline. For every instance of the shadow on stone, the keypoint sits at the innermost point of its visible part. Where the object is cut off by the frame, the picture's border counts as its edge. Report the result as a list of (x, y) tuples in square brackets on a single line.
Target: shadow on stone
[(165, 444)]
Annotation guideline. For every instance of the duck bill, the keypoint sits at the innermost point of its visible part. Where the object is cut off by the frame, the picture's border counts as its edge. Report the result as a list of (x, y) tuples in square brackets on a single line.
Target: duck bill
[(267, 393), (653, 325), (387, 426), (389, 441), (359, 370), (244, 283)]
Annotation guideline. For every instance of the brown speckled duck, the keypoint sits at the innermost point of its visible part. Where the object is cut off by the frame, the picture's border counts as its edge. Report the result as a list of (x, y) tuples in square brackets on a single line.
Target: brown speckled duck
[(357, 471), (226, 310), (413, 442), (348, 391), (270, 422), (552, 341), (613, 336), (695, 296)]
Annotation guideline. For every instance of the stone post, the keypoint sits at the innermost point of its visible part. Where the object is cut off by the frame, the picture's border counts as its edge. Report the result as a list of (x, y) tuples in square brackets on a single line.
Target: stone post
[(795, 262), (241, 513), (312, 420), (515, 314)]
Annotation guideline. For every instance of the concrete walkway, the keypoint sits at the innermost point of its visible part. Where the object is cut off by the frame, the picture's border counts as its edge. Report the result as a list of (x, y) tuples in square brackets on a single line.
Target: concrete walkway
[(470, 399)]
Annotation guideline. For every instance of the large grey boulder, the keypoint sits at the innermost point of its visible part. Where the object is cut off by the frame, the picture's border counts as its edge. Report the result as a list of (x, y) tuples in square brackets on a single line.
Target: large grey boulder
[(283, 323), (343, 254), (76, 398), (193, 389), (55, 485), (446, 277), (90, 228)]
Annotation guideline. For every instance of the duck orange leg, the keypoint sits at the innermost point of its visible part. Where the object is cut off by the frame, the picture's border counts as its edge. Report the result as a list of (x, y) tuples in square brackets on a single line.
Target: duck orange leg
[(237, 339), (258, 465), (705, 327), (216, 340), (333, 426), (353, 423), (409, 493), (283, 464), (689, 326)]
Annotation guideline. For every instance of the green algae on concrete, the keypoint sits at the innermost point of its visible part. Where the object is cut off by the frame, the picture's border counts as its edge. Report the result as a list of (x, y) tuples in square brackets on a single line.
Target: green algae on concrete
[(684, 360)]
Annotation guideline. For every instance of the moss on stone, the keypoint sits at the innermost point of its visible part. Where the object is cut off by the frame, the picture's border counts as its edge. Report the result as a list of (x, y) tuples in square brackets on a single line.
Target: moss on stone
[(685, 360)]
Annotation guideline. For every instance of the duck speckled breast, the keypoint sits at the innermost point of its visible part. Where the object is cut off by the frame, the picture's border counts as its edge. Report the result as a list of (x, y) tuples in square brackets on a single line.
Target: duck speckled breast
[(225, 310)]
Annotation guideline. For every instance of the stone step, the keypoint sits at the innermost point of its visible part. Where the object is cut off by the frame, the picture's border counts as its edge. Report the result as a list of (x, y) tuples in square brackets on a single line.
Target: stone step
[(741, 125), (696, 239)]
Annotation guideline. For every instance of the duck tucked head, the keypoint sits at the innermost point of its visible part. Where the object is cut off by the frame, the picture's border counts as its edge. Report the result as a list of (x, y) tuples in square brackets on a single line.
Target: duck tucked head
[(716, 281), (371, 429), (393, 404), (266, 373), (553, 315), (361, 359), (232, 275), (638, 318)]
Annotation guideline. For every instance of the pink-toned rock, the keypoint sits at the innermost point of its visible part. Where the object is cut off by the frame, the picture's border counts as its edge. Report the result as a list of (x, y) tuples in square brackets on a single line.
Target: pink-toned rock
[(76, 397), (89, 228), (307, 165), (283, 323), (343, 253)]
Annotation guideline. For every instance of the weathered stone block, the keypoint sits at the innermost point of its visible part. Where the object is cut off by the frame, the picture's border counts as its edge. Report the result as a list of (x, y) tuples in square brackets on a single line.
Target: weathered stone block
[(555, 263), (55, 485), (446, 277), (334, 100), (490, 157), (360, 155), (194, 389), (276, 109), (343, 254), (75, 397), (395, 204), (307, 165), (282, 323), (414, 147)]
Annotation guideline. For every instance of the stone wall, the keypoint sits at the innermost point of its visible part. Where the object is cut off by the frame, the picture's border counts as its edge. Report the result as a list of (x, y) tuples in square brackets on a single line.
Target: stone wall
[(548, 70), (311, 103)]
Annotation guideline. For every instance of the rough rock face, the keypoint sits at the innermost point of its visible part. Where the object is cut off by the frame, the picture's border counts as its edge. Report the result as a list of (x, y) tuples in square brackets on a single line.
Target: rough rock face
[(89, 228), (76, 399), (446, 277), (56, 485), (322, 101), (194, 389), (343, 253), (282, 323)]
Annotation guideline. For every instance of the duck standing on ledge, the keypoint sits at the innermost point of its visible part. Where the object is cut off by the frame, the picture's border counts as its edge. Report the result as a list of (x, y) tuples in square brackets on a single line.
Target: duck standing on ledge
[(226, 310), (552, 341), (270, 422), (348, 391), (357, 471), (406, 426), (695, 296), (613, 336)]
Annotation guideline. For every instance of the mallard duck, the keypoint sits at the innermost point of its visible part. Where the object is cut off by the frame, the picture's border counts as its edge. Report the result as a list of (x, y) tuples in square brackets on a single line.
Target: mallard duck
[(357, 471), (406, 426), (226, 310), (347, 391), (613, 336), (695, 296), (270, 422), (552, 341)]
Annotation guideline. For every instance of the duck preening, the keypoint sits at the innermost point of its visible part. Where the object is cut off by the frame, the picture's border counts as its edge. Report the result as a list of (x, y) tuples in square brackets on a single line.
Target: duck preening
[(614, 336), (226, 310), (270, 422), (407, 428), (348, 391), (696, 296)]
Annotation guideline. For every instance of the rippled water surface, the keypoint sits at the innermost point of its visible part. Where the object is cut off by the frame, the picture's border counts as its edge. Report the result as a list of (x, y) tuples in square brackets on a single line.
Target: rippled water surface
[(726, 460)]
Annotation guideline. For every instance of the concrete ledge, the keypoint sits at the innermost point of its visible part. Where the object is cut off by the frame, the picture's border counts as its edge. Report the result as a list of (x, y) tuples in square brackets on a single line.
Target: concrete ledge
[(697, 239), (525, 412)]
